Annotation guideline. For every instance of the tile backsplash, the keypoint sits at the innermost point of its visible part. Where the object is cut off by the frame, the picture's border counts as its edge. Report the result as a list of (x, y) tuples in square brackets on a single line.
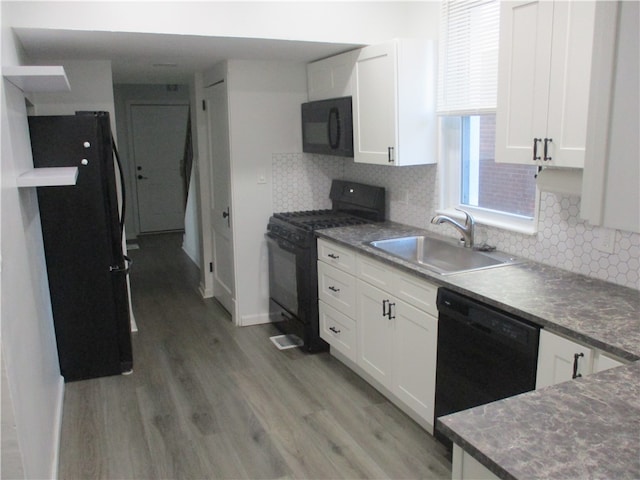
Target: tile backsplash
[(302, 181)]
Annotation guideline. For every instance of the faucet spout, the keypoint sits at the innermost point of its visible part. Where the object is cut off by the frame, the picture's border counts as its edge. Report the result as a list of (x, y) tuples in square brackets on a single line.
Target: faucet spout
[(466, 230)]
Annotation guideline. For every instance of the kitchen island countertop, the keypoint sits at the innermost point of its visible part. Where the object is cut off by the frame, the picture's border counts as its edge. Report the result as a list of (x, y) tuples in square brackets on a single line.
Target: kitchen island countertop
[(586, 428)]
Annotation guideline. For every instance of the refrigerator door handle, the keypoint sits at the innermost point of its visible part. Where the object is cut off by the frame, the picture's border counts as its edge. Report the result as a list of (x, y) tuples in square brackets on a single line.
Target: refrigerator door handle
[(124, 268)]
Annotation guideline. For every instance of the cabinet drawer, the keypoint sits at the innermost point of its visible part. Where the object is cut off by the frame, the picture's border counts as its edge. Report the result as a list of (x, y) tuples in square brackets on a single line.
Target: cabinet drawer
[(416, 292), (376, 273), (337, 256), (337, 288), (338, 330)]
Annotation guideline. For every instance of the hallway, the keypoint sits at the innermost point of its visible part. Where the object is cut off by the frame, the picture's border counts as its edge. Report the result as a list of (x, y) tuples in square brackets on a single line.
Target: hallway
[(211, 400)]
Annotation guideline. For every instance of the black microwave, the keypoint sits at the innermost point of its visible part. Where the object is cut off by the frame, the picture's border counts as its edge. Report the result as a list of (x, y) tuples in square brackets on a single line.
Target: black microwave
[(327, 127)]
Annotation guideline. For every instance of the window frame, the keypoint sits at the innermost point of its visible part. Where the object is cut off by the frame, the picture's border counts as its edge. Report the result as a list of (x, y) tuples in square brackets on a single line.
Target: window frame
[(451, 131)]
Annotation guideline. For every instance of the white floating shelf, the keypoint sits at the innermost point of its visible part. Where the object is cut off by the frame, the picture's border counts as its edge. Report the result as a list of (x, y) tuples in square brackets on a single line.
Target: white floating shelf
[(34, 78), (48, 177)]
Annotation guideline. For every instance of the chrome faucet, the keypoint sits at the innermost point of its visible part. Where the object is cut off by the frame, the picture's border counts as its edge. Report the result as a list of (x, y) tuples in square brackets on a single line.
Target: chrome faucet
[(465, 230)]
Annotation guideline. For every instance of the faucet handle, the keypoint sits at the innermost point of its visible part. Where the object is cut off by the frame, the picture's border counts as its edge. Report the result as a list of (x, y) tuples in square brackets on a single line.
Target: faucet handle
[(468, 221)]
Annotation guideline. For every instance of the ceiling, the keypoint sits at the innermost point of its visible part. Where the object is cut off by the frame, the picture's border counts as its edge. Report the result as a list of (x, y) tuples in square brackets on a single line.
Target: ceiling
[(159, 58)]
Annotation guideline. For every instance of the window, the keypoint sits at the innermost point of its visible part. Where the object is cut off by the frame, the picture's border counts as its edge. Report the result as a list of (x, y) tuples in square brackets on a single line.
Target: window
[(496, 194)]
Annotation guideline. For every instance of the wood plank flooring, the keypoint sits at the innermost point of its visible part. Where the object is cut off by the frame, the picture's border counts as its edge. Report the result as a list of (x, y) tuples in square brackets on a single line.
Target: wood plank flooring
[(210, 400)]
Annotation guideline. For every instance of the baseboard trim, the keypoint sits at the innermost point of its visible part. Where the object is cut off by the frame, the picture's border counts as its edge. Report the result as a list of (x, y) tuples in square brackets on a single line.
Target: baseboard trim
[(57, 430), (205, 292), (256, 319)]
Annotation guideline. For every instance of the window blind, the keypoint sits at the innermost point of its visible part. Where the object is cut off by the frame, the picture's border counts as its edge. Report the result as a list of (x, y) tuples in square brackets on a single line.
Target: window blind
[(468, 65)]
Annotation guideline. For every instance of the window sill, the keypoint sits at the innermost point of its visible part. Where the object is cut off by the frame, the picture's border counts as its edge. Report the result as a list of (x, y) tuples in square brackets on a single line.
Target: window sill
[(490, 218)]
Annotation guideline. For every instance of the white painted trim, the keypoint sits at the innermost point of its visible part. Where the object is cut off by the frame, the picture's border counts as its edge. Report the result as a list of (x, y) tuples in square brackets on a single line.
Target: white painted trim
[(204, 291), (254, 319), (57, 429)]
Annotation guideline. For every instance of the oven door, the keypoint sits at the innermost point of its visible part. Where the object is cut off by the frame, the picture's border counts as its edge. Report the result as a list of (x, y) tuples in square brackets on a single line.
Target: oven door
[(283, 283)]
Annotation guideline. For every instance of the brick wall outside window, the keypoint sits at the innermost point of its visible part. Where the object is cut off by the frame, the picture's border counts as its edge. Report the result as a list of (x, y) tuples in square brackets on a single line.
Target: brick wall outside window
[(504, 187)]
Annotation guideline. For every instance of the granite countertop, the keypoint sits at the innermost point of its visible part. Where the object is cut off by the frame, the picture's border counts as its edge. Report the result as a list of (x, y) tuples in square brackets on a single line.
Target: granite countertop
[(594, 312), (585, 428)]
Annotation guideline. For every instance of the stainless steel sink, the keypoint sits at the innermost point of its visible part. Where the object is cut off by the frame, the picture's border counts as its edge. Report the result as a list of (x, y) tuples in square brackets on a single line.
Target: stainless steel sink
[(440, 256)]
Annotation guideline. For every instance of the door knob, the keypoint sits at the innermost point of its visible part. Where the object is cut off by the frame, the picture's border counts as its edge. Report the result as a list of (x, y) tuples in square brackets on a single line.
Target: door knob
[(225, 214)]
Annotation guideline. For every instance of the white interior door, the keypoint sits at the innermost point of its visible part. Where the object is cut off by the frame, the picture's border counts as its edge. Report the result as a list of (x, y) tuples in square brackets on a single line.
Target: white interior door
[(221, 208), (158, 136)]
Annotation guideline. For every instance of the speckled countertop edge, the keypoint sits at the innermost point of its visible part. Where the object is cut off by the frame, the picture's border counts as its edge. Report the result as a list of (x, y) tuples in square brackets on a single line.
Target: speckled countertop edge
[(597, 313), (587, 428)]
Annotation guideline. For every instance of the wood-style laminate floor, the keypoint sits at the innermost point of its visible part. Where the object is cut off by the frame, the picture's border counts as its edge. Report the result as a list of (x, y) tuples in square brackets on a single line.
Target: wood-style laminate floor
[(210, 400)]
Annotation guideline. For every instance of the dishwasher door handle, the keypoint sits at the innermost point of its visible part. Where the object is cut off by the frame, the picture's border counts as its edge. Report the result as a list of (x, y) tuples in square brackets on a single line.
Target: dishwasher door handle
[(481, 327)]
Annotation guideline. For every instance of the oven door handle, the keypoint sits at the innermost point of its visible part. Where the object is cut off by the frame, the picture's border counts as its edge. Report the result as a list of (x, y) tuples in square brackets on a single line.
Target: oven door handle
[(283, 244)]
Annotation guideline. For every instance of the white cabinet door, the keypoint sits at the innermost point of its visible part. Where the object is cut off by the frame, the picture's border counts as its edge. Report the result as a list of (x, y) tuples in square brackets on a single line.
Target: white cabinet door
[(559, 358), (375, 105), (338, 330), (610, 194), (394, 120), (331, 77), (602, 362), (569, 81), (337, 288), (465, 467), (523, 78), (375, 332), (337, 256), (416, 336), (543, 82)]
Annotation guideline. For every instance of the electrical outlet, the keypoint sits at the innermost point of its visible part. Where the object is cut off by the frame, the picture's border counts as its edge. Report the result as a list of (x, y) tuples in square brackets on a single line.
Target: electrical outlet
[(262, 178), (401, 197), (604, 239)]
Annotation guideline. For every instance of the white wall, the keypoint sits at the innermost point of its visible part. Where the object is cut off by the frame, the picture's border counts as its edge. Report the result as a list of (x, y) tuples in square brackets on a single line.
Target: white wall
[(28, 339), (338, 22), (29, 353), (264, 112)]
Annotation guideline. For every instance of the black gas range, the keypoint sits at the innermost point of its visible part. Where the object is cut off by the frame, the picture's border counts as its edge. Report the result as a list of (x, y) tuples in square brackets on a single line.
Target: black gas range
[(293, 273)]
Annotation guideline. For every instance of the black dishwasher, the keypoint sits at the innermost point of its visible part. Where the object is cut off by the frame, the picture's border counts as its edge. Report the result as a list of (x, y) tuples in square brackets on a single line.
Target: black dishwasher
[(484, 355)]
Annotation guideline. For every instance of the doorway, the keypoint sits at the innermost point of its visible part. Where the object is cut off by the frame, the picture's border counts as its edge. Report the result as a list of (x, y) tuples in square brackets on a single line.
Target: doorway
[(158, 135)]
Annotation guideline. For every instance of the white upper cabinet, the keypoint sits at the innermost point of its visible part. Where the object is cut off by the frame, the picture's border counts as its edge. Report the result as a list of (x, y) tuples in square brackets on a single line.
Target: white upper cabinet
[(331, 77), (544, 77), (394, 121), (610, 193)]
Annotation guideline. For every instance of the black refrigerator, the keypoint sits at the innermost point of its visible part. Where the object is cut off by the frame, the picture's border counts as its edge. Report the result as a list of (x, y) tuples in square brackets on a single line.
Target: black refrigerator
[(82, 233)]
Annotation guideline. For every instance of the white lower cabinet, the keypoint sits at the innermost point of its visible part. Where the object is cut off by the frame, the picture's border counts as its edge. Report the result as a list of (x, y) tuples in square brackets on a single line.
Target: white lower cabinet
[(338, 330), (387, 327), (465, 467), (375, 332), (416, 339), (561, 359)]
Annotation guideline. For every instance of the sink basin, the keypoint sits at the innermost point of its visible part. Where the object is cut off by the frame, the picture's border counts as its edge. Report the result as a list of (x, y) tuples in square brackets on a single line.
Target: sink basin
[(442, 257)]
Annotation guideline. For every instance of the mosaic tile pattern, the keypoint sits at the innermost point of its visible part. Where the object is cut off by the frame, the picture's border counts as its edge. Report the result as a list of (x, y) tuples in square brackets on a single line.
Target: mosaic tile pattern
[(302, 182)]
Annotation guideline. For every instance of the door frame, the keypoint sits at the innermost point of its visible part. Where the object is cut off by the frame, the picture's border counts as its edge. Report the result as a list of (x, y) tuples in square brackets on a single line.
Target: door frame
[(130, 170)]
